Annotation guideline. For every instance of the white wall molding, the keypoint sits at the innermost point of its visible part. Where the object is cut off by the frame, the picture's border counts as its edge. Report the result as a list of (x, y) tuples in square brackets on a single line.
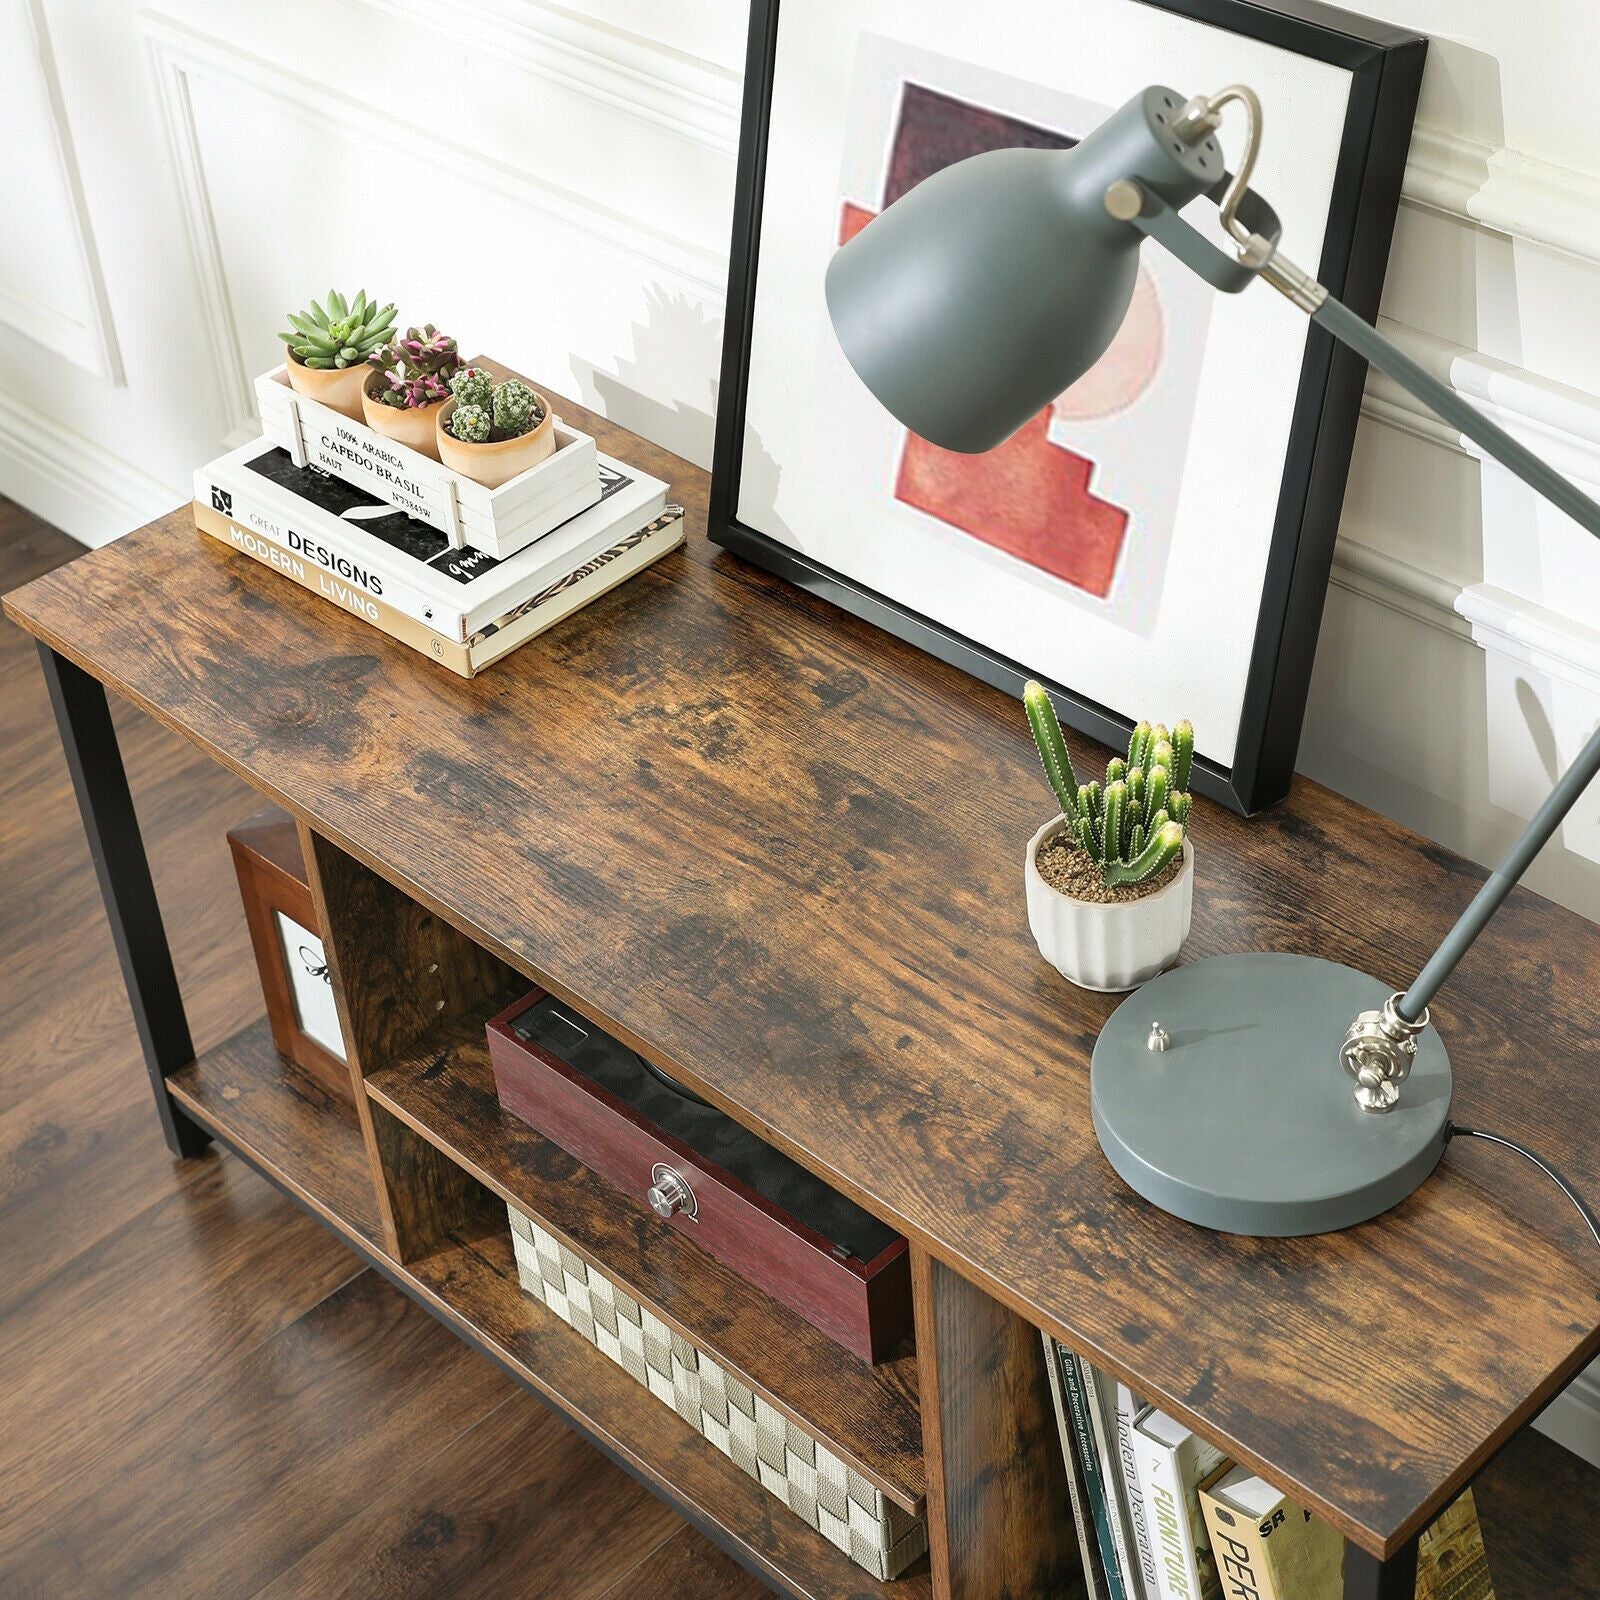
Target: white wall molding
[(1502, 189), (1558, 422), (1402, 587), (1547, 641), (693, 98), (73, 482), (170, 67), (178, 52), (89, 340)]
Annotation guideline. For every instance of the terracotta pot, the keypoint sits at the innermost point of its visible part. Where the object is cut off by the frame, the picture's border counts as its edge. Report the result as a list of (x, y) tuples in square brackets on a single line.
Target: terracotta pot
[(499, 460), (336, 387), (1113, 945), (413, 426)]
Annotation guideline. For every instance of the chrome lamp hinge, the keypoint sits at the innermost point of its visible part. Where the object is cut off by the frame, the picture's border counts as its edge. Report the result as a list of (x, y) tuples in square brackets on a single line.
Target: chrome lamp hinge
[(1379, 1050)]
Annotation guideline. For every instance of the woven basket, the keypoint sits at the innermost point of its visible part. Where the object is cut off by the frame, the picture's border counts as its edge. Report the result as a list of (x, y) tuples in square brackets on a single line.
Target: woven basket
[(786, 1460)]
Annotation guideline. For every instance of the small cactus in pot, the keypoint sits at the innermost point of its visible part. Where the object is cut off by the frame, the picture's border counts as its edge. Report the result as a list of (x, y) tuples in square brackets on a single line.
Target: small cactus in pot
[(490, 432), (1104, 906)]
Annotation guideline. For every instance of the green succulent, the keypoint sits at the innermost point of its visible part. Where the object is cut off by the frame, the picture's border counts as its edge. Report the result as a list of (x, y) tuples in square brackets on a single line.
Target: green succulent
[(470, 423), (345, 334), (1132, 825), (516, 409), (472, 386)]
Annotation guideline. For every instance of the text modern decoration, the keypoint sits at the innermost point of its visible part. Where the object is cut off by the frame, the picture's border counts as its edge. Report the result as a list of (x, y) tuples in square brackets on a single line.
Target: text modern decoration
[(1163, 528)]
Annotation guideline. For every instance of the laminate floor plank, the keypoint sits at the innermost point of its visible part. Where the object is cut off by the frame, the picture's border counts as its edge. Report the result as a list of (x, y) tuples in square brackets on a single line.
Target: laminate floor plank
[(517, 1505), (688, 1564), (264, 1455)]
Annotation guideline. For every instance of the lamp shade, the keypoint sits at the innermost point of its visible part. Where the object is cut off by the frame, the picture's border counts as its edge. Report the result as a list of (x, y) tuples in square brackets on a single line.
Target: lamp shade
[(994, 284)]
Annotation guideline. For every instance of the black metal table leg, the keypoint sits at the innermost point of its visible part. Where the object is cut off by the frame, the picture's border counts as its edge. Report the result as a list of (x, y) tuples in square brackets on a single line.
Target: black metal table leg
[(1368, 1578), (101, 785)]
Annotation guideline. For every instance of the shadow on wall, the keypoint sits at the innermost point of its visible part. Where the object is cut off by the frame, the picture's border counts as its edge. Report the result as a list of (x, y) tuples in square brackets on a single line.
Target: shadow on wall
[(678, 338), (678, 345)]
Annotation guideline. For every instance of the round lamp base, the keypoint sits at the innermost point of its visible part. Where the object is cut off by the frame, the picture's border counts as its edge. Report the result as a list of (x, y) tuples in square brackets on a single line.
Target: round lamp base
[(1246, 1122)]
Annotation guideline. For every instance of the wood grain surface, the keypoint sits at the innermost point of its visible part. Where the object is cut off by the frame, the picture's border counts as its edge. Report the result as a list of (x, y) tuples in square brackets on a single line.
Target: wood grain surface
[(999, 1515), (780, 854), (203, 1393), (869, 1414)]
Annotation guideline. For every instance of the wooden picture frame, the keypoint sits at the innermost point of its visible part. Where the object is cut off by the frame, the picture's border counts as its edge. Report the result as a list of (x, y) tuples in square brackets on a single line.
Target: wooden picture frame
[(1383, 65), (273, 884)]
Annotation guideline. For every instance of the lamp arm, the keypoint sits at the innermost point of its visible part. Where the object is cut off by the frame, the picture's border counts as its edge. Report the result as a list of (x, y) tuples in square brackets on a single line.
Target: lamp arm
[(1365, 340)]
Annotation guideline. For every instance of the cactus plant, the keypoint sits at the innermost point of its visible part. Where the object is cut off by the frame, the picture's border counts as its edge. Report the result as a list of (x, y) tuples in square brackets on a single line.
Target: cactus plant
[(472, 386), (342, 334), (516, 409), (1133, 825), (471, 424), (416, 368), (509, 409)]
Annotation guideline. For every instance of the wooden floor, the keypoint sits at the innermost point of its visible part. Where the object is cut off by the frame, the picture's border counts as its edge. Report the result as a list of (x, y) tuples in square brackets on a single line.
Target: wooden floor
[(202, 1393)]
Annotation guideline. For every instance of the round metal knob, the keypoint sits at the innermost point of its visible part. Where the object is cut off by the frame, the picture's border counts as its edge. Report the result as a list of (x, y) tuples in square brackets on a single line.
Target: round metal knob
[(670, 1193)]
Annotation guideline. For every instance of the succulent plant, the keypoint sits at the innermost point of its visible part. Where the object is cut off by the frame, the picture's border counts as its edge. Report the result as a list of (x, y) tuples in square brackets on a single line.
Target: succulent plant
[(472, 386), (510, 409), (470, 424), (343, 334), (1132, 825), (417, 367), (516, 409)]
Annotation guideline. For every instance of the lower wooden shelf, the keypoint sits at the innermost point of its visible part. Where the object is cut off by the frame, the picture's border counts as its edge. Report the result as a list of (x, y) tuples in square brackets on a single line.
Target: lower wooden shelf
[(309, 1144), (286, 1124), (870, 1415)]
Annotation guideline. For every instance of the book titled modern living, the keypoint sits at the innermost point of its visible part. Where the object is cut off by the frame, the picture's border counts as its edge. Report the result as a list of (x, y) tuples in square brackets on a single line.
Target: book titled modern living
[(407, 564), (565, 595)]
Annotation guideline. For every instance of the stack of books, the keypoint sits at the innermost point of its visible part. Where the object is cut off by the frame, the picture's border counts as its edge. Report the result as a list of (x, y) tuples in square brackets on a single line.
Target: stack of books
[(1162, 1515), (462, 607)]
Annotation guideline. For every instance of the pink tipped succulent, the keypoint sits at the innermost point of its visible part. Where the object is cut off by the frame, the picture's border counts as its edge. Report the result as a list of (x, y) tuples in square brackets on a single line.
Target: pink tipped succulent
[(417, 368)]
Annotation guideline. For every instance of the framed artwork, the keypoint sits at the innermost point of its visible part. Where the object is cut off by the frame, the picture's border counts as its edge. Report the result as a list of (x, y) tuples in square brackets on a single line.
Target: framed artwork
[(1157, 542), (282, 919)]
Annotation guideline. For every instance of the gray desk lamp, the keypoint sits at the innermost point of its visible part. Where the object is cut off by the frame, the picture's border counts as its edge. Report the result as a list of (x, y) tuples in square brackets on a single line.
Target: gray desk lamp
[(966, 308)]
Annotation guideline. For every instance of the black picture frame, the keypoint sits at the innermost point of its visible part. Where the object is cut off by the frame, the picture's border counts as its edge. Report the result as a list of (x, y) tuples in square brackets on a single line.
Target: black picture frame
[(1385, 64)]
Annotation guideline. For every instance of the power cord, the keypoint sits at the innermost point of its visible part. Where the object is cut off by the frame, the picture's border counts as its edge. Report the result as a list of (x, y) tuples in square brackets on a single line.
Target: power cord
[(1456, 1131)]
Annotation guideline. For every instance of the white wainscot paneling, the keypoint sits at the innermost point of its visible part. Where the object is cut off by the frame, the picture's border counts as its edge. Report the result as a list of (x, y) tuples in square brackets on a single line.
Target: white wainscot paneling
[(50, 284), (515, 265)]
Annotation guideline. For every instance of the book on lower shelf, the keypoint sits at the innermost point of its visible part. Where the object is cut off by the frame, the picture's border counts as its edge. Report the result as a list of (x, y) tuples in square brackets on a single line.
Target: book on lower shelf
[(1162, 1515), (1267, 1548)]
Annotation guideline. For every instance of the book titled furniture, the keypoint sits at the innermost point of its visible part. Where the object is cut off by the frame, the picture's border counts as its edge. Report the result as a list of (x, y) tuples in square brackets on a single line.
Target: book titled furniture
[(775, 852)]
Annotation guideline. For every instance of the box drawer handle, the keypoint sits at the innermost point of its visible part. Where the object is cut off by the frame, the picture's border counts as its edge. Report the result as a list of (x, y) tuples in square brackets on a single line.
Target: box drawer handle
[(670, 1193)]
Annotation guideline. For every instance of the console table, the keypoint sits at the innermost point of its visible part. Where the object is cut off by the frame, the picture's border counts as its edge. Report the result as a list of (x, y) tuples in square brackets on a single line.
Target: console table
[(780, 854)]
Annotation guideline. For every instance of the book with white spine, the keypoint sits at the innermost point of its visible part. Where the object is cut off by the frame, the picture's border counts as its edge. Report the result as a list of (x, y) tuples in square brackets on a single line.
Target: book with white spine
[(1173, 1462), (1128, 1408), (408, 564)]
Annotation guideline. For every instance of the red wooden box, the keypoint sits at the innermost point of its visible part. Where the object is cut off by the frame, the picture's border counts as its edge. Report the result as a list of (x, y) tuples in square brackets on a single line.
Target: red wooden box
[(288, 947), (777, 1225)]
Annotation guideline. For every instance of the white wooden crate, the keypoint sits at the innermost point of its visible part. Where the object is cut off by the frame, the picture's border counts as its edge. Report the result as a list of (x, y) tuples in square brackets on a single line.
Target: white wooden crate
[(497, 521)]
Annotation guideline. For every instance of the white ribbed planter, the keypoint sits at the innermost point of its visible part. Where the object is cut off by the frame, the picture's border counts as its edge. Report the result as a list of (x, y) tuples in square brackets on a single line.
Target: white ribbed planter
[(1112, 946)]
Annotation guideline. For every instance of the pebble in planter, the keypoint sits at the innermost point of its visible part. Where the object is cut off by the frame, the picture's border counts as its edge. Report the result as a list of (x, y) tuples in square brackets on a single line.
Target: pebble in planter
[(1110, 882), (403, 397), (330, 348), (491, 433)]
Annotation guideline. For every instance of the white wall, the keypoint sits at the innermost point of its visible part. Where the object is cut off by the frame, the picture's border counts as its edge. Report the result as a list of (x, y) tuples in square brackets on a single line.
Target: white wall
[(182, 165)]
